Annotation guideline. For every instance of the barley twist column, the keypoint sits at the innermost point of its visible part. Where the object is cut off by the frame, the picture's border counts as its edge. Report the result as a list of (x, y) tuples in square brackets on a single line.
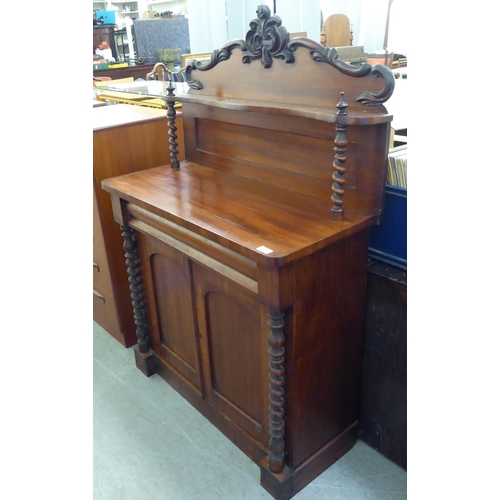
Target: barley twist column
[(136, 288), (338, 165), (276, 352), (171, 114)]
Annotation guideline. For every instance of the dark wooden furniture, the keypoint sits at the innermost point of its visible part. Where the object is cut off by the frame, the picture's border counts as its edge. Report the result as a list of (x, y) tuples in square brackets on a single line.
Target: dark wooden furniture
[(248, 275), (137, 71), (126, 139), (382, 413), (104, 33)]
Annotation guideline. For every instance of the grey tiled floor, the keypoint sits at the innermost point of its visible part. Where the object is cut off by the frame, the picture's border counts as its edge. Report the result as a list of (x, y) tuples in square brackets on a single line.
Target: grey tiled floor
[(149, 443)]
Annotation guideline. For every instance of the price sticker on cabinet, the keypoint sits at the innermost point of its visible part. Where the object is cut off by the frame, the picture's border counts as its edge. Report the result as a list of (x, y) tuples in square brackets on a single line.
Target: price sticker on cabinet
[(264, 249)]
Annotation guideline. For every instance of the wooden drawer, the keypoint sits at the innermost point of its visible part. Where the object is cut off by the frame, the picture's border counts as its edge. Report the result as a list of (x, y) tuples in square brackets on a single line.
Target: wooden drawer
[(104, 306), (102, 276)]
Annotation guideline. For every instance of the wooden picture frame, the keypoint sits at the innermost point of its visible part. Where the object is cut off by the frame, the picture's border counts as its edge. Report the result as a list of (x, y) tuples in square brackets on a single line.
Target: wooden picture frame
[(202, 56)]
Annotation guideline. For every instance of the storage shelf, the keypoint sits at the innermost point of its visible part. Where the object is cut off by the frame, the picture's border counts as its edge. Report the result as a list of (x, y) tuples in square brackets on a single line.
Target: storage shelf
[(358, 116)]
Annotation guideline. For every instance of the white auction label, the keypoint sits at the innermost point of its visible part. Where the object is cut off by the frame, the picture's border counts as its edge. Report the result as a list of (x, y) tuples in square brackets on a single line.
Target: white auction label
[(264, 249)]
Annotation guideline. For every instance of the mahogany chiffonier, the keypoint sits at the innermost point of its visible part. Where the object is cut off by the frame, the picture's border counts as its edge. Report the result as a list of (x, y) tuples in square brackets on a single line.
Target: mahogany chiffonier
[(126, 139), (247, 261)]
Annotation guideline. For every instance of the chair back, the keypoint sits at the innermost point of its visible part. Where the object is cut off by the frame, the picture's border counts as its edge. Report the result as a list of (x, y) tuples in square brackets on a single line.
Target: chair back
[(336, 31), (179, 75), (159, 72)]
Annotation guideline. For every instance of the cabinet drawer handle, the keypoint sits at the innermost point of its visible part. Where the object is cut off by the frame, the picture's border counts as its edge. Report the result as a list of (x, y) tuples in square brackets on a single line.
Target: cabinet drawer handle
[(96, 266), (99, 296)]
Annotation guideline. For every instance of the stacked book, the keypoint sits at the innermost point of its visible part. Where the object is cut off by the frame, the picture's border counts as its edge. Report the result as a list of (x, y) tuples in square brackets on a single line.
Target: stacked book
[(396, 167)]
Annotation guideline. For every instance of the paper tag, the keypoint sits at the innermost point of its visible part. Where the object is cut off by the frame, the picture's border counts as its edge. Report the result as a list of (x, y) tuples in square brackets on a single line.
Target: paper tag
[(264, 249)]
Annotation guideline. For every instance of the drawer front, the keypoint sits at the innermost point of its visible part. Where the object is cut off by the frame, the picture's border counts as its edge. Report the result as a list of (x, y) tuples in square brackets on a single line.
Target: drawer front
[(105, 307), (102, 276)]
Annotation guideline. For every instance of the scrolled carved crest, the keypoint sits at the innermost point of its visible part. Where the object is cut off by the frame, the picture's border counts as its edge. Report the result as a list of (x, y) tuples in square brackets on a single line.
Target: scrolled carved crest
[(268, 39), (217, 56), (330, 56)]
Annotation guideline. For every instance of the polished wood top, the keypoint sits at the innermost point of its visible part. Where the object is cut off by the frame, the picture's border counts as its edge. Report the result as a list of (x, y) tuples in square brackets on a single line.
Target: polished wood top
[(121, 114), (239, 213)]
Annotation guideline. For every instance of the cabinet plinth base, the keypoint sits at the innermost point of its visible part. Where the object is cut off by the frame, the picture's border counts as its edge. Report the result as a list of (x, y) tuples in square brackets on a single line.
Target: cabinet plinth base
[(288, 483), (145, 361), (280, 486)]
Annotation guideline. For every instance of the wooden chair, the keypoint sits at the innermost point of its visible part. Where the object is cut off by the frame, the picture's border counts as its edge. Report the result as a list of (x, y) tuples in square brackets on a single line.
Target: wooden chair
[(336, 31), (159, 72), (181, 75)]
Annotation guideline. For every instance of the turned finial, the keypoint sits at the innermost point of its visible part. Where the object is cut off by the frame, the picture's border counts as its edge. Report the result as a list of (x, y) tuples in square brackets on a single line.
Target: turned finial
[(170, 87), (342, 106)]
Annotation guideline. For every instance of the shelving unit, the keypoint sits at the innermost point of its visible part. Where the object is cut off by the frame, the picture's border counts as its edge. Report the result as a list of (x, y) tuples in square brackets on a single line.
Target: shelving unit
[(124, 9), (100, 5), (137, 8), (164, 5)]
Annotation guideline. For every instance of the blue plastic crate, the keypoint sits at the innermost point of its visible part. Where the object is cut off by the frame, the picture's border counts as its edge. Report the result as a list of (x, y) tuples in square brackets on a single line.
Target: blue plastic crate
[(109, 16), (388, 241)]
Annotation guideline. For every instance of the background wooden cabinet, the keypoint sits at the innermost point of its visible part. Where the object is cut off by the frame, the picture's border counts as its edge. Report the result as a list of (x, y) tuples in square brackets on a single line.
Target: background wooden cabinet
[(383, 423), (104, 33), (126, 139), (137, 71)]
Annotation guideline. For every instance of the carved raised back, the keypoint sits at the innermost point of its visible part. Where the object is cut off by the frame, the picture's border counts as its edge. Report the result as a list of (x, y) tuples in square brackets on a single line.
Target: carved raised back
[(265, 108), (305, 82), (276, 68)]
